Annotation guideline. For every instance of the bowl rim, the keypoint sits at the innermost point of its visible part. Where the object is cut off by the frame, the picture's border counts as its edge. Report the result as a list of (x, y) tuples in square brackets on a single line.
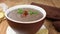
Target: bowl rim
[(26, 6)]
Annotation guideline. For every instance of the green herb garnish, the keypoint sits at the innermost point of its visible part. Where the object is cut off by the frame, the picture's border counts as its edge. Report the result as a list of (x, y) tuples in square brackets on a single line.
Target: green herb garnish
[(31, 12), (20, 11)]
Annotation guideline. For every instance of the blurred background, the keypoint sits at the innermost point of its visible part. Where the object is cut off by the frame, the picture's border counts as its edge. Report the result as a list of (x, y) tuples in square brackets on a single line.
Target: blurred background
[(55, 3)]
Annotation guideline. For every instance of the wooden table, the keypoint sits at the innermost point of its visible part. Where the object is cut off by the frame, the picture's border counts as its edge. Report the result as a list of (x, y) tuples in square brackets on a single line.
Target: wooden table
[(54, 3)]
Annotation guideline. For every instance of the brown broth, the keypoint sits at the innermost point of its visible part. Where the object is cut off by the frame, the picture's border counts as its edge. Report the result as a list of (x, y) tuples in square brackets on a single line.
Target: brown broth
[(15, 16)]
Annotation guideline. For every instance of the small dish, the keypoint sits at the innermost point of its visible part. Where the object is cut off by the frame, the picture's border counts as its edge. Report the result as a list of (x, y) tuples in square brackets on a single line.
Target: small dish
[(2, 9), (43, 30)]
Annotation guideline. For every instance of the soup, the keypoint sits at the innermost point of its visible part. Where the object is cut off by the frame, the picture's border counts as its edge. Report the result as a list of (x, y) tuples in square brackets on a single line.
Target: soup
[(25, 14)]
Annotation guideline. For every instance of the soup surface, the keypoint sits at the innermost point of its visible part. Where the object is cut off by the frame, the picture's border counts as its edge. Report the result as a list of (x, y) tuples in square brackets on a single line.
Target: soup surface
[(25, 14)]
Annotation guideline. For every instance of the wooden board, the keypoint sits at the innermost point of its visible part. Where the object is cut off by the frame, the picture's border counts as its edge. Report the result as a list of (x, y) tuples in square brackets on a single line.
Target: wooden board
[(48, 24)]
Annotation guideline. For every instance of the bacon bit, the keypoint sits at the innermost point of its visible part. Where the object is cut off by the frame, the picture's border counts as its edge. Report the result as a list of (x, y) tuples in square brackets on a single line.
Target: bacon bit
[(25, 13)]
